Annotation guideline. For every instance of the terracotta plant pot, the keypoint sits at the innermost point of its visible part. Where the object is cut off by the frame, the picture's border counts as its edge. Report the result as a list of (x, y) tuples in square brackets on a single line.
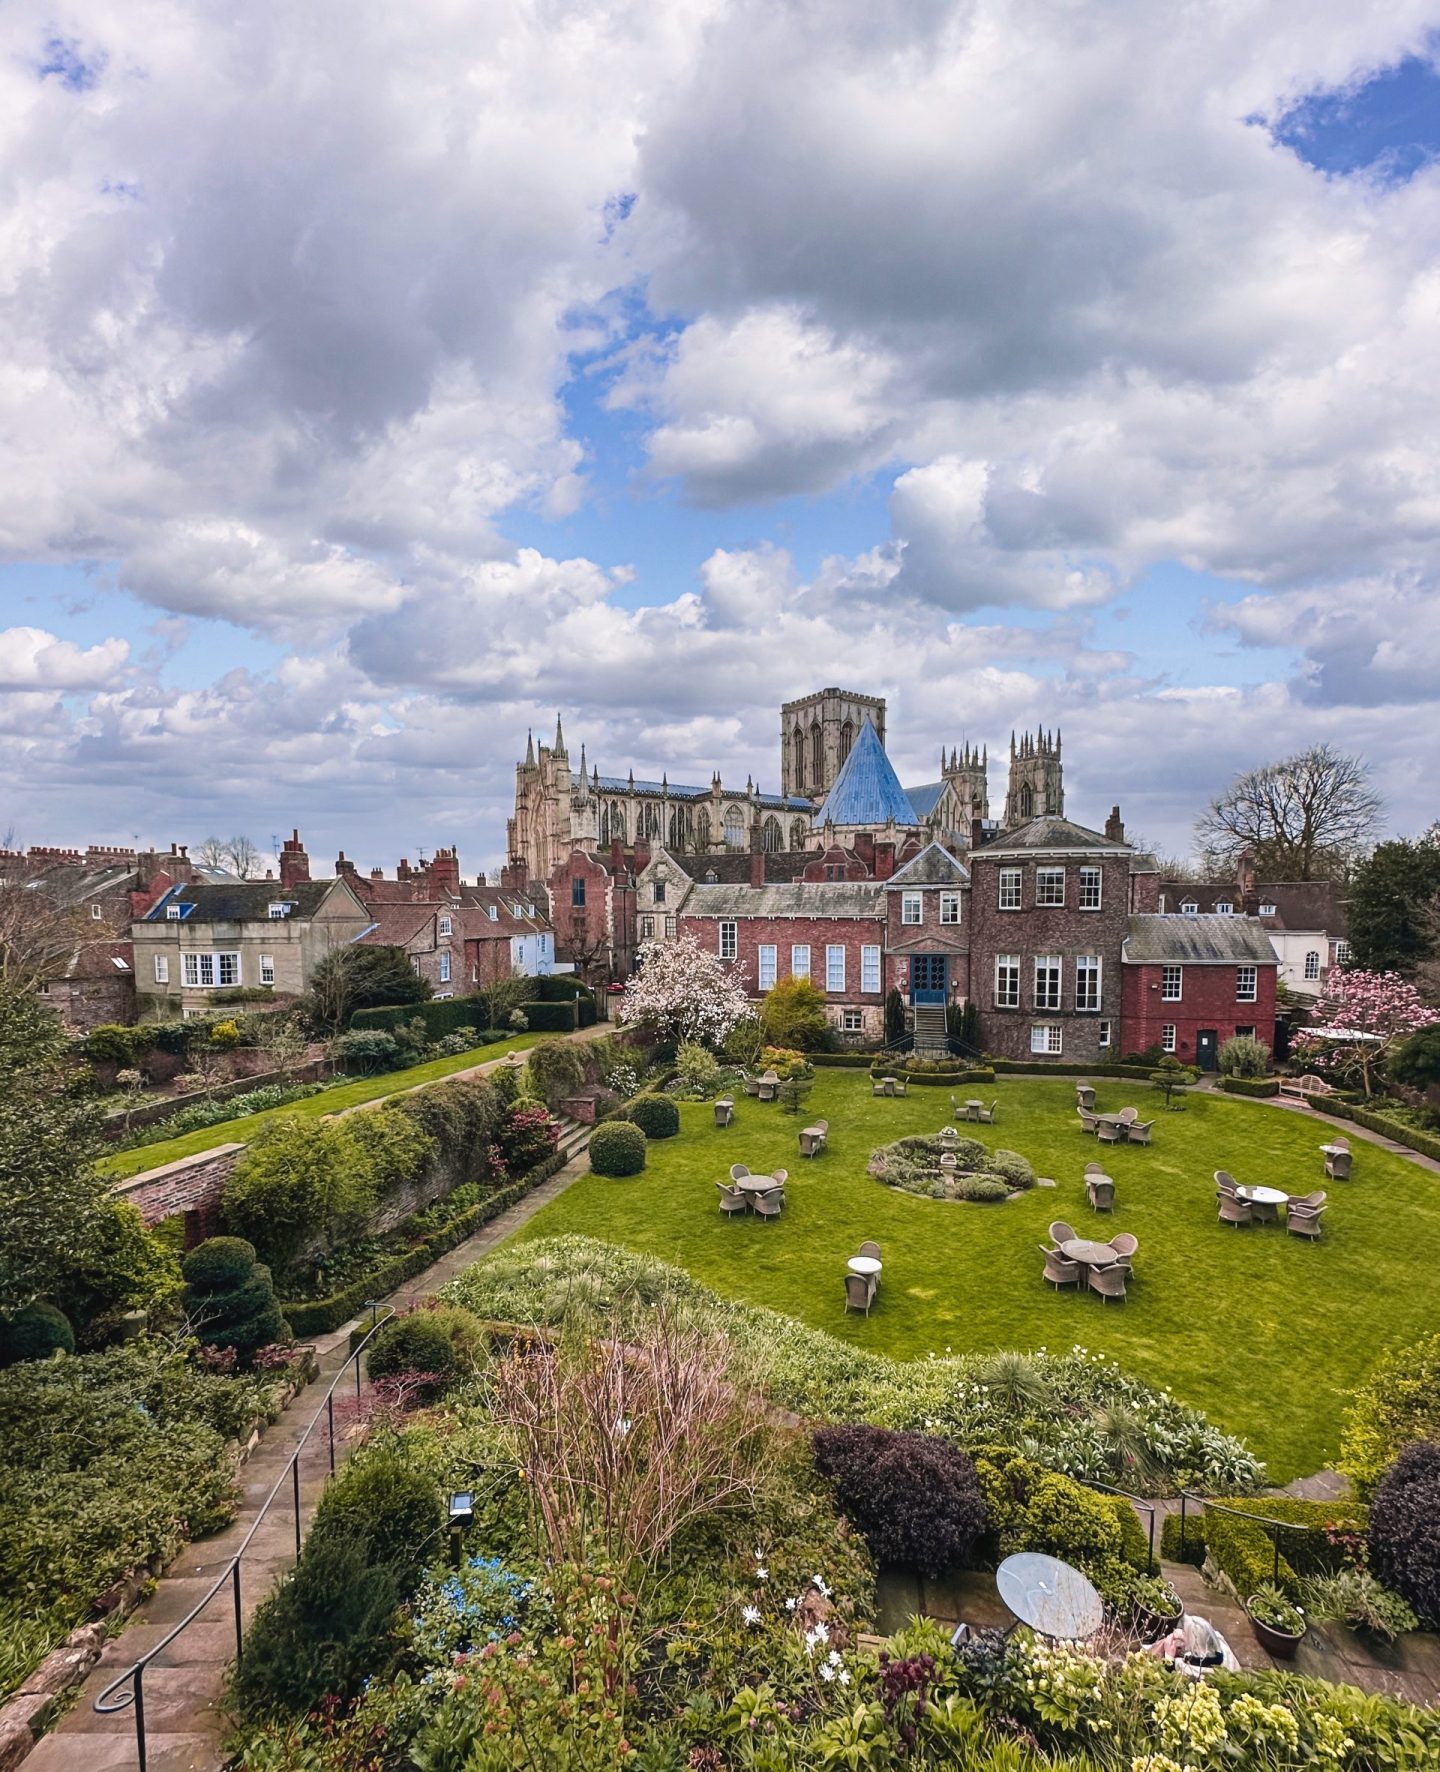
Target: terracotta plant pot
[(1279, 1643), (1150, 1625)]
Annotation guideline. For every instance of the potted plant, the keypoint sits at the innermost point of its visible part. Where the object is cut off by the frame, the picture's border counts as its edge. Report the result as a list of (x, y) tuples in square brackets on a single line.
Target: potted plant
[(1279, 1624), (1147, 1603)]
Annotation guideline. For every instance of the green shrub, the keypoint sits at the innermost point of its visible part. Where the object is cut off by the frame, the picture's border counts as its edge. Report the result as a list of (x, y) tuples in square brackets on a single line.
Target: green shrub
[(1427, 1143), (441, 1341), (555, 1069), (299, 1183), (617, 1148), (793, 1015), (229, 1299), (1183, 1547), (656, 1115), (698, 1069), (35, 1333), (1416, 1063), (915, 1497), (113, 1044), (1256, 1086), (391, 1502), (1012, 1168), (1244, 1056), (1405, 1528), (365, 1052), (550, 1018), (449, 1016), (1398, 1403), (1245, 1552)]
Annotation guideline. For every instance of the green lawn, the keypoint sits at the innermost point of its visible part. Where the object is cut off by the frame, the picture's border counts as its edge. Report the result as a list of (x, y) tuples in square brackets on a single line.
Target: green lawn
[(1263, 1331), (329, 1101)]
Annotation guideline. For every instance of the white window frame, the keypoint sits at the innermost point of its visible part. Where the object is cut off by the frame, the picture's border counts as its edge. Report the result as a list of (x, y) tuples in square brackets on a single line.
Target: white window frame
[(1342, 952), (1092, 888), (1172, 984), (870, 969), (162, 968), (1312, 965), (446, 926), (444, 968), (835, 966), (729, 939), (1007, 981), (670, 926), (173, 913), (1167, 1037), (1103, 1033), (1190, 908), (1010, 893), (1247, 984), (199, 964), (279, 909), (1225, 909), (851, 1021), (1049, 881), (800, 960), (1047, 1037), (950, 907), (95, 913), (767, 964), (647, 928), (492, 911), (267, 968), (912, 908), (1088, 968), (1050, 967), (1267, 910)]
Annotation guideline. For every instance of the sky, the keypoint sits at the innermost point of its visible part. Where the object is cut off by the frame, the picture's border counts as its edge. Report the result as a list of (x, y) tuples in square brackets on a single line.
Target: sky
[(376, 382)]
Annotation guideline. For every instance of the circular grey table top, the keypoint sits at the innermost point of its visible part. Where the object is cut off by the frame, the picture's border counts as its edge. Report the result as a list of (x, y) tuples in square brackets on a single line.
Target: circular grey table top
[(863, 1264), (1092, 1254), (1263, 1196), (1049, 1596), (758, 1184)]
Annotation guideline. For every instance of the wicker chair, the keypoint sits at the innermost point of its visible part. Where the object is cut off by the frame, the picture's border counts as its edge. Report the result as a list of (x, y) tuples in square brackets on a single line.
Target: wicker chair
[(901, 1085), (1302, 1217), (1094, 1168), (1101, 1190), (769, 1205), (812, 1139), (1109, 1131), (1139, 1132), (987, 1115), (1337, 1165), (957, 1108), (1060, 1232), (732, 1200), (1124, 1245), (1085, 1096), (1088, 1122), (882, 1086), (724, 1111), (769, 1088), (1233, 1211), (869, 1248), (751, 1085), (1225, 1181), (1058, 1271), (1109, 1282), (738, 1172), (859, 1291)]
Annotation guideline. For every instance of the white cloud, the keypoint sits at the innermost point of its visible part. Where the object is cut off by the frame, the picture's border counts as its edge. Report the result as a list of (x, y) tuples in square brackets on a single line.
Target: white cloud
[(32, 659)]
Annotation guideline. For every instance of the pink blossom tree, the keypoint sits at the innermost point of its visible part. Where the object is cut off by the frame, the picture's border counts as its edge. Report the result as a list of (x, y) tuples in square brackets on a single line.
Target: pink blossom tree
[(1381, 1007), (681, 992)]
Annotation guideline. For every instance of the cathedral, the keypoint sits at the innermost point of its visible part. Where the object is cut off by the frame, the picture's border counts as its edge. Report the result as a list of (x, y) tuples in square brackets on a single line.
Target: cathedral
[(835, 783)]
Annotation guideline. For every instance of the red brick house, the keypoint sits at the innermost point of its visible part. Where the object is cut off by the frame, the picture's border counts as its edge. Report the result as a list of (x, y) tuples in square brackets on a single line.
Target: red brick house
[(927, 939), (1193, 982)]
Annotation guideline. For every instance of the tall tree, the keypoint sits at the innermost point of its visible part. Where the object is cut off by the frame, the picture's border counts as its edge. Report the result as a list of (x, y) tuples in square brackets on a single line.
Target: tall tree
[(1307, 817), (38, 934), (234, 855), (684, 992), (1392, 925), (352, 978), (1367, 1015)]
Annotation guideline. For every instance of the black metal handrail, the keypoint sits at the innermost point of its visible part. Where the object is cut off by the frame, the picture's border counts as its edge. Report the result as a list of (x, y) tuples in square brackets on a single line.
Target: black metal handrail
[(134, 1676), (1240, 1513)]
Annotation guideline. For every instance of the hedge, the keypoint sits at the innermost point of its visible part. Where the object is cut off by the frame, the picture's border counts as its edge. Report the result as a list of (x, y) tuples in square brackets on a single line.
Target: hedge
[(1250, 1085), (1427, 1143), (318, 1316), (1140, 1073), (939, 1078), (847, 1060), (559, 987), (1244, 1549), (551, 1018), (448, 1016)]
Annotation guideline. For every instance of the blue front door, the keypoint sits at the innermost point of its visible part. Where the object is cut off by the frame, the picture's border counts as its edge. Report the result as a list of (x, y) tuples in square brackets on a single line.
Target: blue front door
[(927, 978)]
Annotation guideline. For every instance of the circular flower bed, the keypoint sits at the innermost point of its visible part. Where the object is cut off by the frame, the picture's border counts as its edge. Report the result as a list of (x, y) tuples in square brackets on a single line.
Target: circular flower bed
[(978, 1174)]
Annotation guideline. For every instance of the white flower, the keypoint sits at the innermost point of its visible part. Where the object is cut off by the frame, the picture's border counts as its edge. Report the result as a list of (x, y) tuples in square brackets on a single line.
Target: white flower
[(820, 1585), (833, 1658), (790, 1605), (827, 1672), (761, 1572), (844, 1676), (751, 1614)]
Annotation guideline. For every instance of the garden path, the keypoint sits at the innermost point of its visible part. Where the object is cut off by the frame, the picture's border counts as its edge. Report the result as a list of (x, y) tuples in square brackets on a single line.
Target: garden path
[(184, 1685)]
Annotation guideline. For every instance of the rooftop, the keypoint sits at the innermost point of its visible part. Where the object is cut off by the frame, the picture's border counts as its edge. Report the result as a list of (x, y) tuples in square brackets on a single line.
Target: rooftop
[(867, 791), (1197, 941)]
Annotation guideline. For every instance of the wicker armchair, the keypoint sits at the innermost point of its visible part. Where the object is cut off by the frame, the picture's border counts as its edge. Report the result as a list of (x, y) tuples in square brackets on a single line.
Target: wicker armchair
[(1058, 1271), (987, 1115), (1101, 1190), (1139, 1132), (859, 1291), (769, 1205), (1233, 1211), (1124, 1244), (1109, 1282), (1302, 1217), (732, 1200), (1060, 1232)]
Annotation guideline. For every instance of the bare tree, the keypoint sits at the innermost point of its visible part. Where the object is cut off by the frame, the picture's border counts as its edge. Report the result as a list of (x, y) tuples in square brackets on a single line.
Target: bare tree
[(234, 855), (38, 933), (213, 853), (586, 946), (1307, 817)]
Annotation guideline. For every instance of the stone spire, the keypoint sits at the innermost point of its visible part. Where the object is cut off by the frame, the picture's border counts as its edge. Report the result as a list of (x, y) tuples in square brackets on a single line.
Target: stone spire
[(529, 750), (559, 735)]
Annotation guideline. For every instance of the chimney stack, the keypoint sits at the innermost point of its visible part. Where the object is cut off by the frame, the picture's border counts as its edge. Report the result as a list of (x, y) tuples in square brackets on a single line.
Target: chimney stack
[(1114, 829), (294, 862)]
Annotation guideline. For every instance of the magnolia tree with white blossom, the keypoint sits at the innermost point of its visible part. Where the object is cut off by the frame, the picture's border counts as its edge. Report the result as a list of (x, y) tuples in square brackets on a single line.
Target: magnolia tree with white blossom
[(1361, 1016), (681, 992)]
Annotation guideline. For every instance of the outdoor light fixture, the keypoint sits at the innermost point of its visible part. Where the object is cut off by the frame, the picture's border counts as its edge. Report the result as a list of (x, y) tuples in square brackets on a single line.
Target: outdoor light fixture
[(462, 1514)]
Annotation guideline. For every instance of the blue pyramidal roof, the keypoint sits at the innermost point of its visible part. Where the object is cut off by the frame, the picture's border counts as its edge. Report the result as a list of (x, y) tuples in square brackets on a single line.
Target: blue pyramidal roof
[(867, 790)]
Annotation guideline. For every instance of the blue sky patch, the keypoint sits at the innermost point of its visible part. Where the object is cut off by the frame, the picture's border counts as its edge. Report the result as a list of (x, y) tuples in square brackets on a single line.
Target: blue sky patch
[(1388, 127)]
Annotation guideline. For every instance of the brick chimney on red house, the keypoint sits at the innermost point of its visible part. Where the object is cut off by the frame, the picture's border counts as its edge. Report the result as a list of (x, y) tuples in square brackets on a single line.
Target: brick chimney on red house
[(1114, 829), (445, 871), (294, 862)]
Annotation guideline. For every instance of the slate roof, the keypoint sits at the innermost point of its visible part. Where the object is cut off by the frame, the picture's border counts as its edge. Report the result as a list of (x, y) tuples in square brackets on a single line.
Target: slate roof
[(674, 790), (396, 924), (933, 866), (867, 790), (925, 798), (1299, 904), (101, 959), (1051, 833), (1196, 941), (733, 867), (796, 898), (239, 901)]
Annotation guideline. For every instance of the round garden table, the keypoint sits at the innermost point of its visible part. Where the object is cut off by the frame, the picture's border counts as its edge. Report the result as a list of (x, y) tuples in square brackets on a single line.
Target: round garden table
[(1049, 1596), (1089, 1254), (863, 1264), (758, 1184), (1267, 1201)]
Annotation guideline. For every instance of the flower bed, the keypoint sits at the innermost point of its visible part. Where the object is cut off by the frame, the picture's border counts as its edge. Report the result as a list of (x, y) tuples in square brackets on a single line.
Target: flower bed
[(981, 1176)]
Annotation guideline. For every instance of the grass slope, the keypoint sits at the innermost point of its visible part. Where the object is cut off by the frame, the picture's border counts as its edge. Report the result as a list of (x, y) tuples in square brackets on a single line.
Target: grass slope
[(313, 1107), (1263, 1331)]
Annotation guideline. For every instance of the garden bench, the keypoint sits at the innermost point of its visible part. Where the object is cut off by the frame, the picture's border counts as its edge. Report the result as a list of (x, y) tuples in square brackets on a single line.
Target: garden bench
[(1301, 1088)]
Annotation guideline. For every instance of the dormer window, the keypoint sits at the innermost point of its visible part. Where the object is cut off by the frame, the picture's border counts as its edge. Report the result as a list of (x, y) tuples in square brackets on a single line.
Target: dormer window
[(1224, 910), (95, 913), (1267, 910), (279, 909), (492, 911), (173, 912), (659, 891), (1190, 908)]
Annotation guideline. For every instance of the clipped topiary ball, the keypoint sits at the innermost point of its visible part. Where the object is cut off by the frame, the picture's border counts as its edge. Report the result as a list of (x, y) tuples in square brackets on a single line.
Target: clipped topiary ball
[(442, 1342), (35, 1333), (656, 1116), (617, 1148), (218, 1264)]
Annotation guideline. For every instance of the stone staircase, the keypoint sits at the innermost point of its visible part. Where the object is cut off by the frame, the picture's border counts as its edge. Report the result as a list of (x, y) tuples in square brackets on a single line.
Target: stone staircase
[(931, 1040), (574, 1136)]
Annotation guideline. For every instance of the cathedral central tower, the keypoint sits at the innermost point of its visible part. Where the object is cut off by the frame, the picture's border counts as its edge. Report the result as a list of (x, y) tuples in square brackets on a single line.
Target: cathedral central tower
[(816, 733)]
